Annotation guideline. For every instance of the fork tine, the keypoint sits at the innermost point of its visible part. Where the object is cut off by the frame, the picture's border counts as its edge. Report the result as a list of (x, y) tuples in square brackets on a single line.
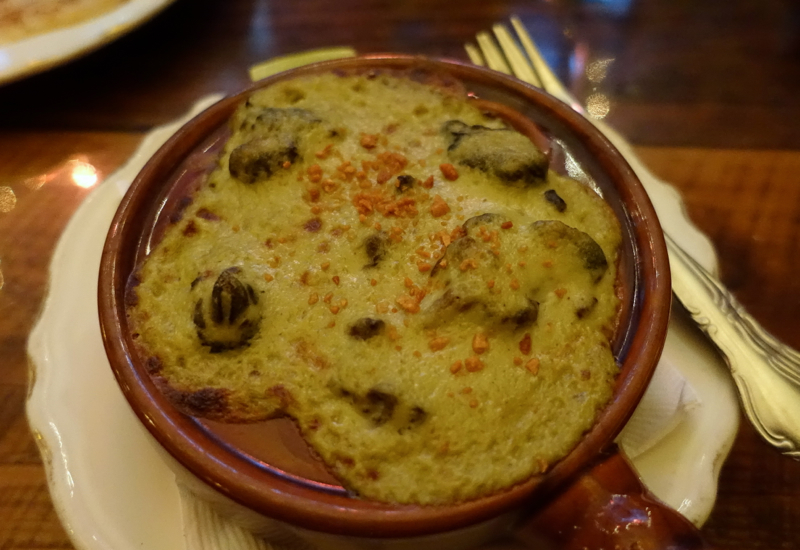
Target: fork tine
[(493, 55), (549, 81), (519, 63), (474, 54)]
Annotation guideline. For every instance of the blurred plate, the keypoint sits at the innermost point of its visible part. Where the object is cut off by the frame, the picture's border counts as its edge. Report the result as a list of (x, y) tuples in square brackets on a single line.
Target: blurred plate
[(40, 52)]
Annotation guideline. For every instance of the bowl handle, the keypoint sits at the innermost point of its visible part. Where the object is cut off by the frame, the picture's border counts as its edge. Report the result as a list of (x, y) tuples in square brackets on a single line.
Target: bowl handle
[(609, 507)]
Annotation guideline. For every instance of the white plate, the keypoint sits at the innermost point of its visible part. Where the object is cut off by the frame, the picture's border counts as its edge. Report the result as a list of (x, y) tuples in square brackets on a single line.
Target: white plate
[(43, 51), (112, 490)]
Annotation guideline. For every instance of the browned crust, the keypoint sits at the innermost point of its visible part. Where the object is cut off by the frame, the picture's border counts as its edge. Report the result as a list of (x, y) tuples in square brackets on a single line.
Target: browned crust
[(211, 403)]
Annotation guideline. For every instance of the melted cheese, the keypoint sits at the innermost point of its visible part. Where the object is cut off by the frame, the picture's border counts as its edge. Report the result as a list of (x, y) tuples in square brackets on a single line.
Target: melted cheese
[(426, 358)]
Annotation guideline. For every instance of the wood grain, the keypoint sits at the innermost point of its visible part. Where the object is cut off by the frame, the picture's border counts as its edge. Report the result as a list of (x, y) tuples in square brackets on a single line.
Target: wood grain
[(706, 90), (37, 167)]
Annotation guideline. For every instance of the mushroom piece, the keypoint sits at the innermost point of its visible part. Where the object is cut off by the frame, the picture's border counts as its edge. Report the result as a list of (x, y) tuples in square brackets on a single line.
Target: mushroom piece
[(506, 154), (592, 256), (484, 219), (375, 247), (525, 316), (266, 120), (553, 198), (271, 137), (378, 406), (258, 159), (405, 182), (462, 287), (365, 328), (228, 316), (382, 407)]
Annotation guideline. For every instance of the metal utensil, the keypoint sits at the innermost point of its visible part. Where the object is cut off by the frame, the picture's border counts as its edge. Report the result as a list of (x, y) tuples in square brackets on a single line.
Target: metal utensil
[(766, 372)]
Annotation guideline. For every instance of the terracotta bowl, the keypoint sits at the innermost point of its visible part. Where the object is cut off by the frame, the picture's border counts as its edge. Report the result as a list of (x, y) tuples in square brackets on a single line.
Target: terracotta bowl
[(274, 488)]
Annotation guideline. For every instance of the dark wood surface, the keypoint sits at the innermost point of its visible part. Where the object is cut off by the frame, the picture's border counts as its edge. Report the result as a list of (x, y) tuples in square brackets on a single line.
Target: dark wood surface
[(707, 91)]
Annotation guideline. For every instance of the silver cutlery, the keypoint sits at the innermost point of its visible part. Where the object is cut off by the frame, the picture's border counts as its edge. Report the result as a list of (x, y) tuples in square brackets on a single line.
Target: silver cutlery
[(766, 372)]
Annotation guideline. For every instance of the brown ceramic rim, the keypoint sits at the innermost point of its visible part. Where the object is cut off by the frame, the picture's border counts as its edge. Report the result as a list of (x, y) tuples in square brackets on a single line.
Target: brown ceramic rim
[(282, 499)]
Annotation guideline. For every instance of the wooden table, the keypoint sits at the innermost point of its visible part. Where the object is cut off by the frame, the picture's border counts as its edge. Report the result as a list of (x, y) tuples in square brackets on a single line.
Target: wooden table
[(708, 92)]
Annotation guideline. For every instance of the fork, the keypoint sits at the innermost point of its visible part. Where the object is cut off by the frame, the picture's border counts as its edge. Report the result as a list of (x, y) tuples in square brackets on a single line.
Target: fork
[(766, 372)]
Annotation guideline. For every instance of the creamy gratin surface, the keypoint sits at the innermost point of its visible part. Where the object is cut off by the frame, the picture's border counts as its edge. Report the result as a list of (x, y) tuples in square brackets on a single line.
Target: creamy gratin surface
[(400, 273)]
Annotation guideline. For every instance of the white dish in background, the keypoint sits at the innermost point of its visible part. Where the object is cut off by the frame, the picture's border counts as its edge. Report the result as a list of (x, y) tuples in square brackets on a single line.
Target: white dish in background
[(111, 487), (40, 52)]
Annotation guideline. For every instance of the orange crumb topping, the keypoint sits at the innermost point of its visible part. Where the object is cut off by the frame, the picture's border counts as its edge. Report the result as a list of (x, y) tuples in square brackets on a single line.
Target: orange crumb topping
[(439, 207), (408, 303), (474, 363), (369, 202), (449, 171), (525, 344), (438, 343), (314, 173), (325, 152), (480, 343), (458, 232), (392, 162), (469, 263), (532, 365), (369, 141), (383, 176), (329, 186)]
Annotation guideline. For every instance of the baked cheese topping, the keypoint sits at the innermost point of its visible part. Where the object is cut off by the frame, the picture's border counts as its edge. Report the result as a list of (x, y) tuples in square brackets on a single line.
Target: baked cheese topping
[(400, 273)]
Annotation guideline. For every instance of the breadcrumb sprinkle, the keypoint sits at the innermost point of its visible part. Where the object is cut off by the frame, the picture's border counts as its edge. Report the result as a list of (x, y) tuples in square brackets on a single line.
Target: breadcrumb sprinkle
[(480, 343), (449, 171)]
